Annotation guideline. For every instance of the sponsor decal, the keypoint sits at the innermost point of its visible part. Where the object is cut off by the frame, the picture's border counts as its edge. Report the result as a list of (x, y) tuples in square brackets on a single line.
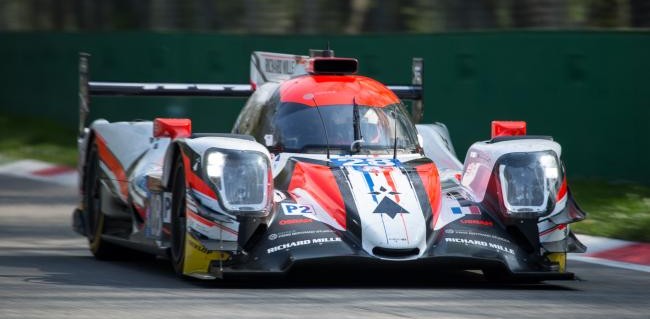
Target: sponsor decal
[(291, 209), (480, 243), (209, 254), (298, 233), (295, 221), (303, 243), (167, 207), (196, 245), (480, 222), (457, 195), (154, 221), (279, 66), (472, 233)]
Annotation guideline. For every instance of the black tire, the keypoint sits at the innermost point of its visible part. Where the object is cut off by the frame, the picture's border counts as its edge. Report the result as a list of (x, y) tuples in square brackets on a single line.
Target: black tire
[(95, 219), (178, 218)]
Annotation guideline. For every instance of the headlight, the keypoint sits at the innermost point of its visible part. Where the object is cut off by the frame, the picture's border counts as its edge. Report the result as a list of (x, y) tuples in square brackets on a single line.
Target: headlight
[(242, 179), (528, 183)]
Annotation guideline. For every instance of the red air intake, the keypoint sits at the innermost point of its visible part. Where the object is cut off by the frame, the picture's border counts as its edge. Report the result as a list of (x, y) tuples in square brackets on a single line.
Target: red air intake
[(508, 128), (173, 128)]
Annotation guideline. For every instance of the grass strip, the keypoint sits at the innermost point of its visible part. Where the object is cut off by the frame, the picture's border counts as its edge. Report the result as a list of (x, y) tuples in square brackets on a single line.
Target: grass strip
[(615, 209), (41, 139)]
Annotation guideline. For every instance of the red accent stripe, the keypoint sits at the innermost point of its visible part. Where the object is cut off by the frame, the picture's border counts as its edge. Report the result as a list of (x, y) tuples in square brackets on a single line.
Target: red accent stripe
[(50, 171), (106, 156), (431, 182), (141, 211), (194, 181), (200, 219), (638, 253), (562, 191), (209, 223), (552, 229), (320, 183), (390, 181)]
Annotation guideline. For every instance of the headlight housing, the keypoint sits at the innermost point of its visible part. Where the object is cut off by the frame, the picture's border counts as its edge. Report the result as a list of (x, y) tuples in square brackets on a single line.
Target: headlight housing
[(242, 178), (529, 183)]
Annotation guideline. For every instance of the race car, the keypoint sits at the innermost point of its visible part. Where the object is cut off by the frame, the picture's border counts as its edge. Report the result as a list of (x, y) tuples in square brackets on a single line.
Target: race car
[(323, 167)]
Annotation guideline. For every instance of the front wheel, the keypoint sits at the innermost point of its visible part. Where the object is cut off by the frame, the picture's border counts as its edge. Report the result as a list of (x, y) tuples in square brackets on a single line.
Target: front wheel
[(178, 222)]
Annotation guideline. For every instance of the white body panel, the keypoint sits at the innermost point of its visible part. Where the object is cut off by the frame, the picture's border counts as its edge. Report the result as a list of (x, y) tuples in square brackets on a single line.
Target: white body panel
[(482, 156), (438, 147)]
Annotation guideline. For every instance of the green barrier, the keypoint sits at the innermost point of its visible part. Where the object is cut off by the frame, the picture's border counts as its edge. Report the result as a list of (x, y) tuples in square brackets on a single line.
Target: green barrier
[(587, 89)]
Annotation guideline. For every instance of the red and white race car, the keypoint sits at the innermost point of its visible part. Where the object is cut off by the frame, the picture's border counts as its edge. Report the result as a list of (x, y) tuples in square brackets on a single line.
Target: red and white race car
[(323, 168)]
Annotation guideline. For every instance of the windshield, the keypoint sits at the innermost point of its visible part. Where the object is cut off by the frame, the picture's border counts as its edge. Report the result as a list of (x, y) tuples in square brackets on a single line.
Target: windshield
[(298, 128)]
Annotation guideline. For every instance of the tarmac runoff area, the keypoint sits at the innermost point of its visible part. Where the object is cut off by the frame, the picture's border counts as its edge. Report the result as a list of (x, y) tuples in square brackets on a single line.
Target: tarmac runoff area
[(46, 271)]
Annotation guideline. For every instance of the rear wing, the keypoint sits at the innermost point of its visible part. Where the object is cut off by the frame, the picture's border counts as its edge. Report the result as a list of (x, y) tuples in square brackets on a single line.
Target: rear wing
[(265, 67)]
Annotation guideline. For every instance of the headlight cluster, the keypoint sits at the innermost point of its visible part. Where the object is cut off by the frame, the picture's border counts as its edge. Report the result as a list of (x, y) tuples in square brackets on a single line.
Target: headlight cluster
[(529, 183), (242, 179)]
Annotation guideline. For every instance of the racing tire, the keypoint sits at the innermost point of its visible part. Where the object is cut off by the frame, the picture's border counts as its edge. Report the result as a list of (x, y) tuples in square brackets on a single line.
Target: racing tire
[(95, 218), (178, 218)]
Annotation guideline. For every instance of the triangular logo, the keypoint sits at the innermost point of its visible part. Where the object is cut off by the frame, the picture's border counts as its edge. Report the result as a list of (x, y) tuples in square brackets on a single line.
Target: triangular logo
[(389, 207)]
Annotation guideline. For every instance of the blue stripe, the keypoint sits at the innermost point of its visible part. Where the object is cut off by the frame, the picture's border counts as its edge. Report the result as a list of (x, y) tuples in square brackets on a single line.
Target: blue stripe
[(370, 184), (456, 210)]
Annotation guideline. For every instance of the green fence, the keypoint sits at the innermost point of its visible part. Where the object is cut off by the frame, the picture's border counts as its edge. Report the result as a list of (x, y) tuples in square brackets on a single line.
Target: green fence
[(590, 90)]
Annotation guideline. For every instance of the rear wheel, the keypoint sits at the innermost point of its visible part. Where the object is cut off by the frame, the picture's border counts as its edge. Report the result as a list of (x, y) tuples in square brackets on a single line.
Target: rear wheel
[(178, 218), (95, 219)]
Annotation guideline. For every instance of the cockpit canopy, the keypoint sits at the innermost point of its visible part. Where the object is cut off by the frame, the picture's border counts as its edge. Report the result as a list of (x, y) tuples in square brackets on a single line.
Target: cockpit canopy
[(287, 125), (299, 129)]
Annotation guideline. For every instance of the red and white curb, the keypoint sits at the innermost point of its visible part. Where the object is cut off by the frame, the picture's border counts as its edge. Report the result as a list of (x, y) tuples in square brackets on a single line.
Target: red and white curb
[(614, 253), (41, 171), (600, 250)]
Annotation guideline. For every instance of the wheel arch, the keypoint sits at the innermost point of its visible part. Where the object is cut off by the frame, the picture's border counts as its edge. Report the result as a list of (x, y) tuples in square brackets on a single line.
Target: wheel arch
[(174, 150)]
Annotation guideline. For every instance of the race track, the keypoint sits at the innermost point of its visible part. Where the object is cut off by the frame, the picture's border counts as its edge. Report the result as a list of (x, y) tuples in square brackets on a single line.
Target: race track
[(46, 271)]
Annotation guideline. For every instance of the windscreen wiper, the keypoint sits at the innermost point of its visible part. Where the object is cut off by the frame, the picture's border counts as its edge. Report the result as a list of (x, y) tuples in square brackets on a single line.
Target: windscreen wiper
[(355, 147), (320, 116)]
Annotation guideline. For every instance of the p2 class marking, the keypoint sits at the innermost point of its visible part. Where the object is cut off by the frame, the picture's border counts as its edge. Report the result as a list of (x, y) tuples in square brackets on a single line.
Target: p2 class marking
[(291, 209)]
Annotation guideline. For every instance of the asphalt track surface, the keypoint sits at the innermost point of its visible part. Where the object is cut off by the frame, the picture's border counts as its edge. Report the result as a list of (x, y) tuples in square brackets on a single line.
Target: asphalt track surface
[(46, 271)]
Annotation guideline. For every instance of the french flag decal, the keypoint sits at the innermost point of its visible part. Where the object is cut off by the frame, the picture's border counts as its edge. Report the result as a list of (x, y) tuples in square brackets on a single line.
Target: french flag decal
[(466, 210)]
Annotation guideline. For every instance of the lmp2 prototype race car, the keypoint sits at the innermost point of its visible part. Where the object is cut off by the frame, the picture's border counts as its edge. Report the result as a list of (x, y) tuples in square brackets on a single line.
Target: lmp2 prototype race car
[(323, 168)]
